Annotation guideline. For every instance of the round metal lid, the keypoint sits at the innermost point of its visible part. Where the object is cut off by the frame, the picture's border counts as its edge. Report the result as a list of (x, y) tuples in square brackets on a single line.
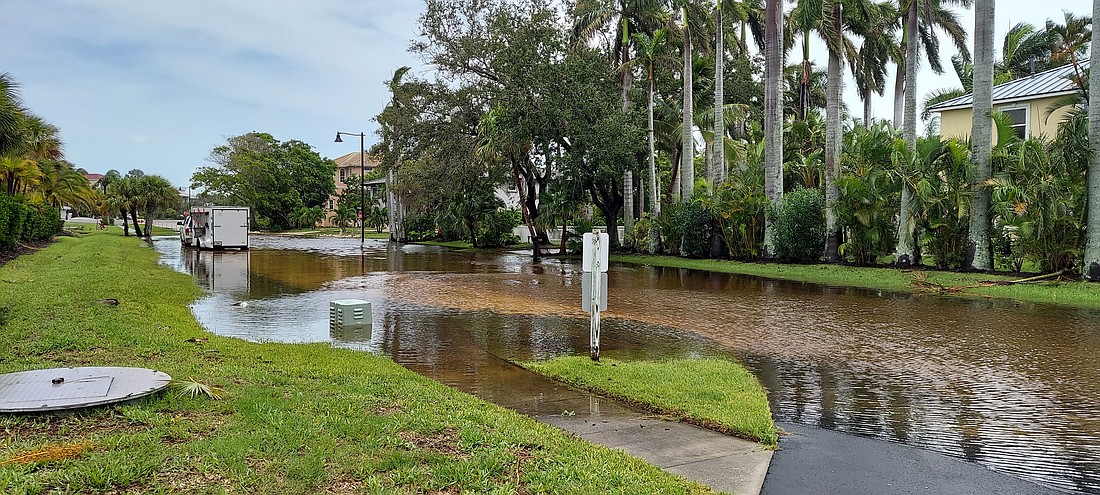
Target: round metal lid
[(71, 388)]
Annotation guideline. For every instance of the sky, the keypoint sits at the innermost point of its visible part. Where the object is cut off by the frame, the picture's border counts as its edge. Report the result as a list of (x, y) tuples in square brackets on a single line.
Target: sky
[(156, 85)]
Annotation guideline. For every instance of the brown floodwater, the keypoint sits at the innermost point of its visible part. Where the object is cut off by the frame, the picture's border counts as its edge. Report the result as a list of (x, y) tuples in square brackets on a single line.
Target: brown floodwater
[(1012, 386)]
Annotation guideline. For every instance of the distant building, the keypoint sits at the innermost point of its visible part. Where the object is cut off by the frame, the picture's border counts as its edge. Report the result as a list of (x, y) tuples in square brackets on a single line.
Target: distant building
[(93, 179), (1026, 101), (347, 166)]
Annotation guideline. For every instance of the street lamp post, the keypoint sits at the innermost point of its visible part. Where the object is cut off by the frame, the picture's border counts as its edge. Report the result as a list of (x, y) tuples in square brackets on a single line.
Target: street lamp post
[(362, 182)]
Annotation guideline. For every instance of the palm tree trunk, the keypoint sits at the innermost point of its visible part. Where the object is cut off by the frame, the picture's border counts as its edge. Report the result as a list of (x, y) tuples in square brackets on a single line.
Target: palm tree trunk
[(655, 201), (134, 217), (867, 110), (773, 116), (687, 167), (391, 206), (1092, 242), (719, 100), (832, 147), (904, 256), (900, 77), (628, 175), (804, 89), (125, 222), (978, 254)]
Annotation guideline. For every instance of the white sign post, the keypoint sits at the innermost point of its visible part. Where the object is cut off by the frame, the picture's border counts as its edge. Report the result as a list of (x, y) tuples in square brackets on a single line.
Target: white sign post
[(594, 291)]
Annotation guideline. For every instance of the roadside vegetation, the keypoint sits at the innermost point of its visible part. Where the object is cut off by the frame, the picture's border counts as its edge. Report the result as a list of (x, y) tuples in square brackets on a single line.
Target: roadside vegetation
[(713, 393), (1050, 290), (293, 418)]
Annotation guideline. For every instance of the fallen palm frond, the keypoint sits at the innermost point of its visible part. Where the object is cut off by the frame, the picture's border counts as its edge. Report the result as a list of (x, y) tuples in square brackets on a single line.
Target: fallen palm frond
[(49, 453), (1036, 278), (920, 282), (192, 389)]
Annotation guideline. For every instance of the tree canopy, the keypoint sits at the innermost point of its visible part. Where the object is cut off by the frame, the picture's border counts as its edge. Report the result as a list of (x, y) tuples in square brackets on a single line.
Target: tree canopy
[(274, 178)]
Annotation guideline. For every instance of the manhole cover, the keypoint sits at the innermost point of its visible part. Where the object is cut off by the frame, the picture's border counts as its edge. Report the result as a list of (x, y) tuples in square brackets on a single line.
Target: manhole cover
[(70, 388)]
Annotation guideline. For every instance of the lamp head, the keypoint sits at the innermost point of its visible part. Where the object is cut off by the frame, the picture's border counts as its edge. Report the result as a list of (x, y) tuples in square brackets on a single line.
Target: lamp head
[(338, 140)]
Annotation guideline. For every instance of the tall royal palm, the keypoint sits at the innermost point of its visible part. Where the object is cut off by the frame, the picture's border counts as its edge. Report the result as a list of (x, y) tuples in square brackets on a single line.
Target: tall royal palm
[(651, 54), (879, 49), (979, 255), (1092, 242), (921, 19), (623, 18), (773, 115)]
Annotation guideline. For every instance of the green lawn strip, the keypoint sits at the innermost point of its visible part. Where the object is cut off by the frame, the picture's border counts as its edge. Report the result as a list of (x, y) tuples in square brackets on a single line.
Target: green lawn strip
[(1076, 294), (713, 393), (294, 419)]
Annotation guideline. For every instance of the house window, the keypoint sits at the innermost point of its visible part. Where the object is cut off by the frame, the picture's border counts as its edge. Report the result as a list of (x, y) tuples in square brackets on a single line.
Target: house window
[(1018, 116), (330, 204), (343, 173)]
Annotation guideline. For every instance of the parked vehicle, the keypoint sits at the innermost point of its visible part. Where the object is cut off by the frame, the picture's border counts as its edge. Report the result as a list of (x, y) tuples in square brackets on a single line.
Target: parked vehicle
[(216, 227)]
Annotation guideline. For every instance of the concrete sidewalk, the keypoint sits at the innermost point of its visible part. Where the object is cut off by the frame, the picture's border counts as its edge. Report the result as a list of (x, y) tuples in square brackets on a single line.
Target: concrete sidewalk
[(722, 462), (813, 460)]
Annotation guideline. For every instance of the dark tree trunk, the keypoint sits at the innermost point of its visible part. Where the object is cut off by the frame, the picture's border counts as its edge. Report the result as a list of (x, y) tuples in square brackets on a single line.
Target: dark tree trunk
[(134, 217)]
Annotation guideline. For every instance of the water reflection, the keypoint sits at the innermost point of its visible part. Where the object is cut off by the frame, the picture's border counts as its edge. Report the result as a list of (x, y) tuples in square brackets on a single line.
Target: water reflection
[(1012, 386)]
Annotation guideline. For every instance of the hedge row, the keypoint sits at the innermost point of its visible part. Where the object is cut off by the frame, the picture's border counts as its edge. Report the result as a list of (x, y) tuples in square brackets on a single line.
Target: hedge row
[(21, 222)]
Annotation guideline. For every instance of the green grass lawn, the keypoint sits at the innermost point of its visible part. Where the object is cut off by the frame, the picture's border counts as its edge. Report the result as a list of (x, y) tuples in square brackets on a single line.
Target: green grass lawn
[(714, 393), (1076, 294), (294, 418)]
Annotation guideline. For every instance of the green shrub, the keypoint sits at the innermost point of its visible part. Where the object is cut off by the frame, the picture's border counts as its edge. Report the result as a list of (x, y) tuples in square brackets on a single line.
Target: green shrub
[(496, 228), (687, 228), (12, 215), (646, 238), (800, 226), (41, 223), (20, 222)]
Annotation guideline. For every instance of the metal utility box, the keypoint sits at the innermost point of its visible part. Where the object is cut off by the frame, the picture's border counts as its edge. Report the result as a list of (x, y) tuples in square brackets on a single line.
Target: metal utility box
[(346, 312), (216, 227)]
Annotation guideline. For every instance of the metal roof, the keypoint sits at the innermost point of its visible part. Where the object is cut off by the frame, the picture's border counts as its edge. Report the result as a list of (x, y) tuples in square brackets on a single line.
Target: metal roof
[(1050, 82)]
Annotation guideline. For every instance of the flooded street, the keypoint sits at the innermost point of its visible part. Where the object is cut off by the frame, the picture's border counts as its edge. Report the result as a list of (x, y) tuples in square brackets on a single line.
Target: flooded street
[(1012, 386)]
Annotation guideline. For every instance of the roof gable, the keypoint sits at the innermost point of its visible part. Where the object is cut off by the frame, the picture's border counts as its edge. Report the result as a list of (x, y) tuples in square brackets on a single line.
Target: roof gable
[(1047, 83)]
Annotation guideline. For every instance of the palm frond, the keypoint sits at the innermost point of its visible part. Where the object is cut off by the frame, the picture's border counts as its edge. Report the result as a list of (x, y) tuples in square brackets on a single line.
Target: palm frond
[(191, 389)]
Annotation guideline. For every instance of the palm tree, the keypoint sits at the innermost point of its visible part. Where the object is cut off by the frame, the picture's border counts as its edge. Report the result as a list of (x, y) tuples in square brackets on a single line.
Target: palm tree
[(40, 139), (921, 18), (773, 115), (880, 47), (124, 200), (11, 115), (18, 174), (1069, 41), (718, 168), (687, 157), (109, 178), (838, 46), (650, 53), (153, 194), (979, 255), (61, 185), (1092, 243), (627, 17)]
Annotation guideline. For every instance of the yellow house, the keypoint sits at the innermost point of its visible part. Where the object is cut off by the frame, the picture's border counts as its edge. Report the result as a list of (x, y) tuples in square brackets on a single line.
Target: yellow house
[(1025, 101), (347, 166)]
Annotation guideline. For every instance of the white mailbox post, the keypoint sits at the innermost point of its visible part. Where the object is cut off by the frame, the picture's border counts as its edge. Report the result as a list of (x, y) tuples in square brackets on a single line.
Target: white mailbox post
[(594, 286)]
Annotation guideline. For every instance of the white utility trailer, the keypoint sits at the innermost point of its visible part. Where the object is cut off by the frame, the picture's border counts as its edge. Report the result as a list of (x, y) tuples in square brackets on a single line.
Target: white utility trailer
[(216, 227)]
